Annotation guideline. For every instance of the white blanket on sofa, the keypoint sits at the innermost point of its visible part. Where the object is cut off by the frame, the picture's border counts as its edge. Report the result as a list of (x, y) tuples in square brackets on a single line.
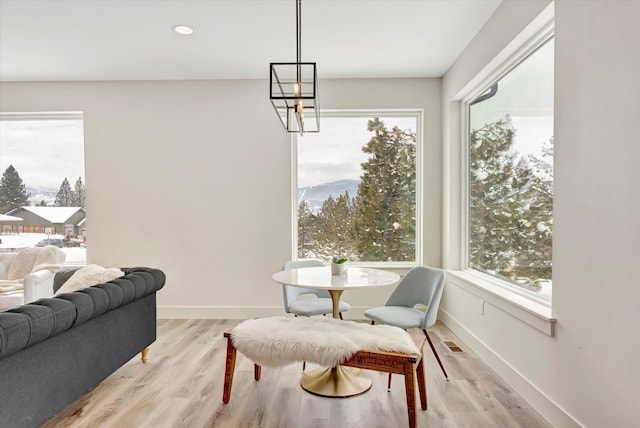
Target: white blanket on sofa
[(88, 276)]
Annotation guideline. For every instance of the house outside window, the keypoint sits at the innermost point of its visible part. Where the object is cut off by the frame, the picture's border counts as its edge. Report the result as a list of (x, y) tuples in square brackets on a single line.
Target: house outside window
[(357, 188), (510, 175), (42, 185)]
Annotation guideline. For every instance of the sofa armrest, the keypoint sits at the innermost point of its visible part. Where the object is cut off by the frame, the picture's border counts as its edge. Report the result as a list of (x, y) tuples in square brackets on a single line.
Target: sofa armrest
[(37, 285)]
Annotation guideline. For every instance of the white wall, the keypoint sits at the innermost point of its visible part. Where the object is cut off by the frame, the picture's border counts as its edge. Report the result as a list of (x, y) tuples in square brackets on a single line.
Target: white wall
[(194, 178), (588, 373)]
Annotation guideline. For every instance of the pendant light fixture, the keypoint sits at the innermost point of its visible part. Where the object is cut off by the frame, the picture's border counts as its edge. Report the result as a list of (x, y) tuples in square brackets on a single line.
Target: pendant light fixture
[(294, 90)]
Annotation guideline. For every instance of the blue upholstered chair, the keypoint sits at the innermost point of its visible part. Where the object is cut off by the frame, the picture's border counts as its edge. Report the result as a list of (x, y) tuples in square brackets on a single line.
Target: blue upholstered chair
[(421, 285)]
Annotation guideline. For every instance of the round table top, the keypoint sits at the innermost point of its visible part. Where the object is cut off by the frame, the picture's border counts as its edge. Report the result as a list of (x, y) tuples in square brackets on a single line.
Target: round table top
[(321, 278)]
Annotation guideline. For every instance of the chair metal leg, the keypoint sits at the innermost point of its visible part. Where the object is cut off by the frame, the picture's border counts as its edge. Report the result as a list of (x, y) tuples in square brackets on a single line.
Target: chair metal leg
[(435, 353), (433, 348), (304, 363)]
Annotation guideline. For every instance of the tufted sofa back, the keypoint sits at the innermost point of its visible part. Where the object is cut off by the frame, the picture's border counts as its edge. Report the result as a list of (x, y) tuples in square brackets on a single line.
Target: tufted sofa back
[(27, 325)]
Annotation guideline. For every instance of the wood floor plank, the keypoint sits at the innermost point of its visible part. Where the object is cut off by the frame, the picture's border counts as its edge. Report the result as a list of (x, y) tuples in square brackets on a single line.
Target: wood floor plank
[(181, 386)]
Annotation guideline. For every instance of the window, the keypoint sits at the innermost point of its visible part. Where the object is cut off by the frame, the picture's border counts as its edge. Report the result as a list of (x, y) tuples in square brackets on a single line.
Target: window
[(357, 185), (42, 187), (510, 175)]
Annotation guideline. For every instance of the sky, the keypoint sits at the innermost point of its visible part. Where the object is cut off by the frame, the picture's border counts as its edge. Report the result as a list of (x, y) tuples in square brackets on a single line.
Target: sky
[(529, 105), (335, 153), (44, 152)]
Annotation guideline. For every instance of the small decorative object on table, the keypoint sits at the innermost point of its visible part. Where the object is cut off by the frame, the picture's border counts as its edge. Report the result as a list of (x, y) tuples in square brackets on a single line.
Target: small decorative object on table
[(338, 266)]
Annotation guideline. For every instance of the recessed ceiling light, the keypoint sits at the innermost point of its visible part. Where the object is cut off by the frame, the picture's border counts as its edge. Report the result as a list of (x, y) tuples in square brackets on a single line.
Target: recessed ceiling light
[(183, 30)]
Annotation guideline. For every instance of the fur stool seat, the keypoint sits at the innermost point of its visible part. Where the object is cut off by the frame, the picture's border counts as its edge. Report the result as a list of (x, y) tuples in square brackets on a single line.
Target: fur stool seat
[(279, 341)]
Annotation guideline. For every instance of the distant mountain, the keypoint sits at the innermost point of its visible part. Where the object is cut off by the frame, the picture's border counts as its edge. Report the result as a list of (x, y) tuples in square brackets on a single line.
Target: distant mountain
[(39, 193), (316, 195)]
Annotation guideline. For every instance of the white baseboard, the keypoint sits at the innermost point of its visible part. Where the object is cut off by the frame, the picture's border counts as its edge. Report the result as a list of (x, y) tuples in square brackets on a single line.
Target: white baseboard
[(235, 312), (549, 410)]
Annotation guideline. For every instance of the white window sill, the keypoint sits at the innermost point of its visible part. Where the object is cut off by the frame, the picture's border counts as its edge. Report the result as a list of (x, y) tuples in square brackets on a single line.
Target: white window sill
[(532, 310)]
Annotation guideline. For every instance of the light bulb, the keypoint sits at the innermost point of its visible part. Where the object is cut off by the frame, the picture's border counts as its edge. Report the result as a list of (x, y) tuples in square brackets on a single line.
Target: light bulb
[(183, 30)]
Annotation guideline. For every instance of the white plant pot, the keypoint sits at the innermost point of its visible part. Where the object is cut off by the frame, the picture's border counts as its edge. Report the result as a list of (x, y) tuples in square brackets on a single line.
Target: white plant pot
[(338, 269)]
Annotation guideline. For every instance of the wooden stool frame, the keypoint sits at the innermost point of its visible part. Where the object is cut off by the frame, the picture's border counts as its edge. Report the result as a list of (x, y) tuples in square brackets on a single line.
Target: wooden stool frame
[(410, 366)]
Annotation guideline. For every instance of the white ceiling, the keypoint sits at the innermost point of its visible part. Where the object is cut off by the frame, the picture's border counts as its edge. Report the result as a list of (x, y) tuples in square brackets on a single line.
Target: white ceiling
[(44, 40)]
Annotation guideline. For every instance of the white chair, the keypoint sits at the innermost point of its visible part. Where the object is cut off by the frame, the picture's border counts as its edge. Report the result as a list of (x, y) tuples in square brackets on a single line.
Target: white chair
[(421, 285), (321, 305), (21, 278)]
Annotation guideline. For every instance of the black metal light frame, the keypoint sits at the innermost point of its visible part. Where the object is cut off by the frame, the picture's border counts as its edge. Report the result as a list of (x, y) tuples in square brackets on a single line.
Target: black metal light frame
[(294, 90)]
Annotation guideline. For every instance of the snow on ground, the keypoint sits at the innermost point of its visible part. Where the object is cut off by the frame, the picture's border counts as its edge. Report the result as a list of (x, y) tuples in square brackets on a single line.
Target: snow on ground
[(75, 255)]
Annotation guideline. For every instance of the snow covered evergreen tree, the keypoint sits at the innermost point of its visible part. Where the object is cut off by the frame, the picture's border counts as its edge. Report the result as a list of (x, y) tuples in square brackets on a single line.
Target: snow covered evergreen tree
[(307, 229), (334, 224), (13, 192), (510, 206), (79, 194), (384, 222), (535, 262), (64, 197)]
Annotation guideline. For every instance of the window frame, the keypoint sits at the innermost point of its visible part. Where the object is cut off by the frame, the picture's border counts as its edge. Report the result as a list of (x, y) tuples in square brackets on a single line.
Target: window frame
[(528, 306), (369, 113), (536, 43)]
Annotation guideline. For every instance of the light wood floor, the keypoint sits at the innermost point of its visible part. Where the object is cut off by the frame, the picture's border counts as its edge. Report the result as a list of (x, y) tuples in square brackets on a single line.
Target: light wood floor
[(181, 386)]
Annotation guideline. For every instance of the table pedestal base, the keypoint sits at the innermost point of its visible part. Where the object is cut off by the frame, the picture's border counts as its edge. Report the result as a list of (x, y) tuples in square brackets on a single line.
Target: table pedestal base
[(337, 382)]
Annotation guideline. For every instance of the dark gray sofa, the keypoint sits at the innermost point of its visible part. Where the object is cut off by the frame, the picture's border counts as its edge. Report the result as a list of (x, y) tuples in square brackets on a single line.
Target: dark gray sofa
[(53, 351)]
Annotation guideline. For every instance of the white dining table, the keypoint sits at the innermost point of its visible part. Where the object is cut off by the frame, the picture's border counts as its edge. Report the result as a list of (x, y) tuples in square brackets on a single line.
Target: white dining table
[(336, 381)]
